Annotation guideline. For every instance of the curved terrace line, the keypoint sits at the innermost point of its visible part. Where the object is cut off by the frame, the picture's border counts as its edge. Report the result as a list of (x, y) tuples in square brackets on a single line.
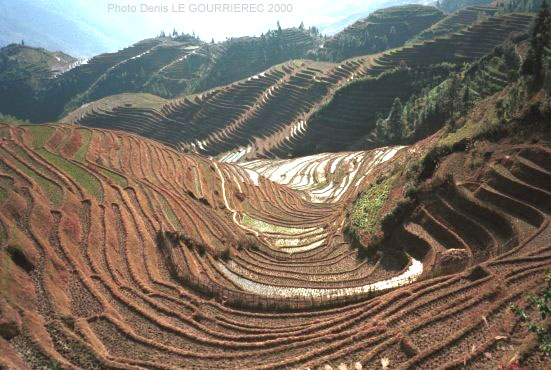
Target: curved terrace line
[(413, 272)]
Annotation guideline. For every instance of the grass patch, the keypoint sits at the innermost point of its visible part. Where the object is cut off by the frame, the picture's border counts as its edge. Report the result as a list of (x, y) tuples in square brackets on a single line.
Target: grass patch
[(79, 175), (83, 150), (115, 177), (52, 191), (367, 209), (169, 212), (3, 194), (40, 135)]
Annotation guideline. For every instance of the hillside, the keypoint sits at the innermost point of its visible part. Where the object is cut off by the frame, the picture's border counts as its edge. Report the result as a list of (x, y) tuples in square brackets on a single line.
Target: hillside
[(24, 71), (388, 211), (180, 65), (449, 6), (298, 108), (195, 261), (164, 66), (383, 29)]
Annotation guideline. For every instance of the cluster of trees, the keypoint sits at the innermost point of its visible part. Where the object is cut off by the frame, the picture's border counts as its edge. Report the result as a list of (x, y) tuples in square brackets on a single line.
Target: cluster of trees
[(426, 112), (450, 6), (540, 43), (383, 29), (175, 34), (369, 41), (523, 5)]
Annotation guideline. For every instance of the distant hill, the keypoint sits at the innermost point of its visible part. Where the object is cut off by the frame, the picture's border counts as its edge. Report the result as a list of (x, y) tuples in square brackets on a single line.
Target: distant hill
[(26, 72), (383, 29), (84, 28), (19, 61), (450, 6), (361, 11), (73, 26), (173, 66), (164, 66), (304, 107)]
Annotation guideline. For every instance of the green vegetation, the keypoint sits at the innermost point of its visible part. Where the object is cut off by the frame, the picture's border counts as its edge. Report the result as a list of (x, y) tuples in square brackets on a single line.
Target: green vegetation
[(539, 43), (401, 82), (25, 75), (5, 185), (86, 135), (541, 327), (523, 5), (185, 65), (50, 189), (366, 212), (383, 29), (427, 111), (516, 111), (12, 120), (169, 212), (89, 182), (449, 6), (455, 22), (40, 135), (178, 66), (115, 177)]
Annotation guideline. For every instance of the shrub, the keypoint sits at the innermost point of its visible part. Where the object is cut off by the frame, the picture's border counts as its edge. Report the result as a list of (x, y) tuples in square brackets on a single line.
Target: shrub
[(541, 327)]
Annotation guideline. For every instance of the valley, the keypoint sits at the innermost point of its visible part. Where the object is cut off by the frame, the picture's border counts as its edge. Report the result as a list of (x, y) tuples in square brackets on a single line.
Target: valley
[(289, 201)]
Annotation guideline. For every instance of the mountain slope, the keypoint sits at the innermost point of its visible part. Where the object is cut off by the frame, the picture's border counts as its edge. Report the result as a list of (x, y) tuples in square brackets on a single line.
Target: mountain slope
[(165, 66), (120, 252), (383, 29), (181, 65), (298, 107)]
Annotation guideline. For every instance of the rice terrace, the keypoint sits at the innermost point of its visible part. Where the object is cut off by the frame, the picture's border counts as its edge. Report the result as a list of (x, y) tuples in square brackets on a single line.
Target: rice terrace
[(375, 198)]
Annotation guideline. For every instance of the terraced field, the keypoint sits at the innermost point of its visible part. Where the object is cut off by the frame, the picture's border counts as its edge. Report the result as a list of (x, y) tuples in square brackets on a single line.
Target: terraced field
[(120, 252), (301, 107), (164, 66)]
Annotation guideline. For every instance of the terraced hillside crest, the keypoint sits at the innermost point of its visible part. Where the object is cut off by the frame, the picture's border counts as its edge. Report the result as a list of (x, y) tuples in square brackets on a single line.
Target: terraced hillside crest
[(301, 107), (164, 66)]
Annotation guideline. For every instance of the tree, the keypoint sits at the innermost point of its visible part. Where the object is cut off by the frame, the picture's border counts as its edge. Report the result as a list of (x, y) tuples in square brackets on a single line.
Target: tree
[(174, 33), (162, 34), (392, 32), (394, 121), (301, 27), (539, 41), (278, 27)]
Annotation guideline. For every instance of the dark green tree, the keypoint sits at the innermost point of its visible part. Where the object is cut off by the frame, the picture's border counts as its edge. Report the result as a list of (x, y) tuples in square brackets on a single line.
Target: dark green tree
[(394, 121), (539, 41)]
